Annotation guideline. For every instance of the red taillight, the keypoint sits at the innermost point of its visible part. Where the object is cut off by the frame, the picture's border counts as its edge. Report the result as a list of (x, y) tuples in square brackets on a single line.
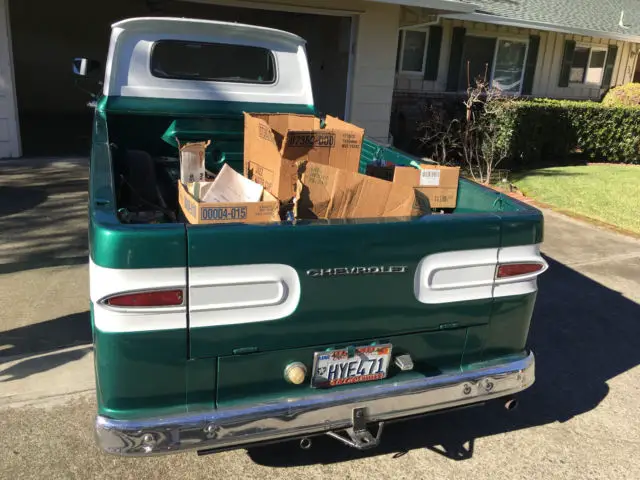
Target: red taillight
[(159, 298), (516, 269)]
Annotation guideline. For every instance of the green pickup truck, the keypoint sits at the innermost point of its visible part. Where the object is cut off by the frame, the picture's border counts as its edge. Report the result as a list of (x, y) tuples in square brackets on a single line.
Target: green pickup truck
[(214, 337)]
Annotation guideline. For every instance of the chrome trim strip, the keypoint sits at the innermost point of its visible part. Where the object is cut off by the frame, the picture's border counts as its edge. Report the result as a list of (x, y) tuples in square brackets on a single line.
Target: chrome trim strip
[(234, 427)]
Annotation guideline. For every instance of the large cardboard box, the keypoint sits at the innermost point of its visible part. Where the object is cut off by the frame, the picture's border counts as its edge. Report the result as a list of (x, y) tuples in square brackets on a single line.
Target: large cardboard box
[(328, 192), (437, 182), (229, 193), (275, 145)]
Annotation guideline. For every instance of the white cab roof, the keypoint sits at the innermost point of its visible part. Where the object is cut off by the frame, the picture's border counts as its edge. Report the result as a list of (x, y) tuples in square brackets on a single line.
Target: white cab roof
[(192, 26), (128, 72)]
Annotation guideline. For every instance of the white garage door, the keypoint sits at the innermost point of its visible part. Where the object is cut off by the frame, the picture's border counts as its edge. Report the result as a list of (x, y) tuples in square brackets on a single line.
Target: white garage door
[(9, 137)]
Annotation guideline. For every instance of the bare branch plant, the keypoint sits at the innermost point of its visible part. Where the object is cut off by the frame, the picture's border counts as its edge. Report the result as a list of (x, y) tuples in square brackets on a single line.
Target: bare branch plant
[(475, 140)]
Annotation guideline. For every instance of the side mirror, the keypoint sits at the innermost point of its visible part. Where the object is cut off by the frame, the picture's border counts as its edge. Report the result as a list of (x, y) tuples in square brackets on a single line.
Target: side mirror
[(83, 67)]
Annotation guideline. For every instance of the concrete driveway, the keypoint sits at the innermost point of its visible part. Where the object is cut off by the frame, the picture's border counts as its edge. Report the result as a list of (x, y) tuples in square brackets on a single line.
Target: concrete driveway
[(580, 420)]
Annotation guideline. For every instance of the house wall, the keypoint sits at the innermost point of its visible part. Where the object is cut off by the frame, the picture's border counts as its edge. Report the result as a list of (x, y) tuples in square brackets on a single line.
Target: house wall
[(545, 83), (9, 131), (374, 72)]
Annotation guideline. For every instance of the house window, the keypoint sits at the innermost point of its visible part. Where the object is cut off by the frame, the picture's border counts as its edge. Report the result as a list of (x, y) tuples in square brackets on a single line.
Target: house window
[(500, 60), (477, 60), (588, 65), (508, 70), (413, 51)]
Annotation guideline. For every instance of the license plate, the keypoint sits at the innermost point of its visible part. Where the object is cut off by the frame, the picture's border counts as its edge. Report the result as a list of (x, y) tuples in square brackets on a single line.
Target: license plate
[(336, 367)]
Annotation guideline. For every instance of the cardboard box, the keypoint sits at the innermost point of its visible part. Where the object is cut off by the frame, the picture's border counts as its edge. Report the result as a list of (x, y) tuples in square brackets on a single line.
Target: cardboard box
[(328, 192), (437, 182), (275, 145), (192, 161), (226, 187)]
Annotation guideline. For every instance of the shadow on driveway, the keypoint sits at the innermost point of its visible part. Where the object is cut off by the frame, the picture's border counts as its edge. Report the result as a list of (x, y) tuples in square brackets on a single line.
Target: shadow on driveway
[(583, 335), (43, 213), (18, 199), (34, 365), (67, 331)]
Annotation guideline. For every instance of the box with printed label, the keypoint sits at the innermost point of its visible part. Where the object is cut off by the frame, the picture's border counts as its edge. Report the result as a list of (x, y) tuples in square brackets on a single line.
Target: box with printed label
[(230, 198), (437, 182), (192, 161), (275, 145), (326, 192)]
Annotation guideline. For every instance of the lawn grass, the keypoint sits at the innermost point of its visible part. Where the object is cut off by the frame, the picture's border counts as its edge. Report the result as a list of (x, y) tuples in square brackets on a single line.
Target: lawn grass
[(608, 193)]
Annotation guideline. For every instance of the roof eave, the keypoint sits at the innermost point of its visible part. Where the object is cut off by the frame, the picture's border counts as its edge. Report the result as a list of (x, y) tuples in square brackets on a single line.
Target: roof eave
[(440, 5), (513, 22)]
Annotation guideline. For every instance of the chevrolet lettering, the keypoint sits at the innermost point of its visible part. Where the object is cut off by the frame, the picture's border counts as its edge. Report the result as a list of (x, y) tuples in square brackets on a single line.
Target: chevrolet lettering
[(224, 335), (334, 272)]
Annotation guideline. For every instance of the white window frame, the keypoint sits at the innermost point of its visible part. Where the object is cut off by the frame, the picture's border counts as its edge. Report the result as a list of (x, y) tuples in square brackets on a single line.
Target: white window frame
[(592, 47), (524, 62), (424, 55)]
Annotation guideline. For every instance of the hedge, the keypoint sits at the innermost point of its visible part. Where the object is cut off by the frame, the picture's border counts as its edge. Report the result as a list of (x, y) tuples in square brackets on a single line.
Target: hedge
[(623, 95), (542, 130)]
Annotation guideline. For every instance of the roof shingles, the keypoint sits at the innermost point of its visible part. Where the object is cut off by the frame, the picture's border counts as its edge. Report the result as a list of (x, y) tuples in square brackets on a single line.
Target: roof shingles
[(594, 15)]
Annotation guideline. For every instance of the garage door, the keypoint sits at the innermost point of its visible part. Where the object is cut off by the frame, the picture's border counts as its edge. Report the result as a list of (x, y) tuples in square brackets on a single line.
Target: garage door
[(9, 140)]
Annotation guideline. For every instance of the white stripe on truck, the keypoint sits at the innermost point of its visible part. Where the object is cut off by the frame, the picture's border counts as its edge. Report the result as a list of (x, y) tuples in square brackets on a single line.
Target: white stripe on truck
[(106, 282), (470, 274), (242, 294)]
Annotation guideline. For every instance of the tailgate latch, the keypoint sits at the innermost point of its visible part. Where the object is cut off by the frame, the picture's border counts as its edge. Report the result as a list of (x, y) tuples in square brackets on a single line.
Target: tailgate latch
[(359, 436)]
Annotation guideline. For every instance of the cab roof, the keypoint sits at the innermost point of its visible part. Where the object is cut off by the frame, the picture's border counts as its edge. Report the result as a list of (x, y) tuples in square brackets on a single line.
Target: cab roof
[(180, 26)]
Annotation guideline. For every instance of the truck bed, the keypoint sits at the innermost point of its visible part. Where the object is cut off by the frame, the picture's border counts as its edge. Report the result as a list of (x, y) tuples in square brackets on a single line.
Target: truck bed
[(340, 310), (141, 164)]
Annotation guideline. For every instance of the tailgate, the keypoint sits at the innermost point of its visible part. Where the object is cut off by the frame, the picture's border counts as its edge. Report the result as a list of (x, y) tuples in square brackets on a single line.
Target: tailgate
[(255, 288)]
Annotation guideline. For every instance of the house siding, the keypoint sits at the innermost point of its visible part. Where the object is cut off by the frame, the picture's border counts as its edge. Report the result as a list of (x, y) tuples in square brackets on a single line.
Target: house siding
[(548, 63), (550, 59), (374, 68), (9, 129)]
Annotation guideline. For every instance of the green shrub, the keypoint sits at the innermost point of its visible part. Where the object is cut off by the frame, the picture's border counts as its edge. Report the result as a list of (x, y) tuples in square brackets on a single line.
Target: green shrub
[(542, 130), (627, 95)]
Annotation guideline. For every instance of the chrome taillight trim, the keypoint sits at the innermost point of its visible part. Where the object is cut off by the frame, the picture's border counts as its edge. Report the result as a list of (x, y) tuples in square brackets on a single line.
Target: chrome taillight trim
[(165, 308)]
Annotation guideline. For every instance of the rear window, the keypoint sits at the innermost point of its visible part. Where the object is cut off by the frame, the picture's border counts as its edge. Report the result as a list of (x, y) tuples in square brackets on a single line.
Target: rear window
[(220, 62)]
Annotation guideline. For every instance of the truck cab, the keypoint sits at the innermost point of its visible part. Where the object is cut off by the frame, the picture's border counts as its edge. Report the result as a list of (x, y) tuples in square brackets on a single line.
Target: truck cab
[(213, 337)]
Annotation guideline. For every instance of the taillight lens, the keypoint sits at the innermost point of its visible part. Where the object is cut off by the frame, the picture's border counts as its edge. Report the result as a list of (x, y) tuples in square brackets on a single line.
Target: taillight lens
[(158, 298), (517, 269)]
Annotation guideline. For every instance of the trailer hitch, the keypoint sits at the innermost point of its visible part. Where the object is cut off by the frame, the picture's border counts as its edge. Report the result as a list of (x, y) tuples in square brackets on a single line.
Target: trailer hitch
[(358, 436)]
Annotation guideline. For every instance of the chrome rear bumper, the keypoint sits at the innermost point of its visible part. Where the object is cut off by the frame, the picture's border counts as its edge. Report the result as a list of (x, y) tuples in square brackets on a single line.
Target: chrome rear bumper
[(235, 427)]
